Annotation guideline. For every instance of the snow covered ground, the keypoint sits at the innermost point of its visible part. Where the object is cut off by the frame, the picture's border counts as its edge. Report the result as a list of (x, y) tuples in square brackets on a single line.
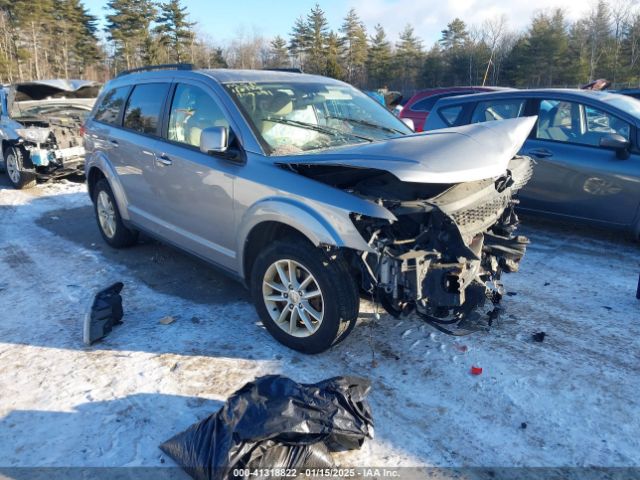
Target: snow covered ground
[(569, 401)]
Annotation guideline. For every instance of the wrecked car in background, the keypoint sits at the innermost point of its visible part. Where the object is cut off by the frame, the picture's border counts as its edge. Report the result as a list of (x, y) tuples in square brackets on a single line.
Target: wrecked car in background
[(310, 192), (40, 128)]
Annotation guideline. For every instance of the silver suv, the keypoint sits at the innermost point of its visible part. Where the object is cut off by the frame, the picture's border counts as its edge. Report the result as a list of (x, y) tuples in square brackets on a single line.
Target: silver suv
[(311, 193)]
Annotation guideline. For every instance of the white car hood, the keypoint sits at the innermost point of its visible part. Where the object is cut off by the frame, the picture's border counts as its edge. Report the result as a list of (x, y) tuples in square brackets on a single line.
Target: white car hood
[(451, 155)]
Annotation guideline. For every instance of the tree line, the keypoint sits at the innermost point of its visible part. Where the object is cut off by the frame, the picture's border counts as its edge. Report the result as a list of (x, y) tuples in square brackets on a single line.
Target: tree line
[(59, 38)]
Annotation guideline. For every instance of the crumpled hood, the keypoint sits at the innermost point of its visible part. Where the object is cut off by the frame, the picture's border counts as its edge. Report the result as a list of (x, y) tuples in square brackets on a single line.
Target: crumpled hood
[(451, 155)]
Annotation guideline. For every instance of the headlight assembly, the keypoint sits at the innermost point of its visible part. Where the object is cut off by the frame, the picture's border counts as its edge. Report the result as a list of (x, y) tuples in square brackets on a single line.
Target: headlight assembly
[(34, 134)]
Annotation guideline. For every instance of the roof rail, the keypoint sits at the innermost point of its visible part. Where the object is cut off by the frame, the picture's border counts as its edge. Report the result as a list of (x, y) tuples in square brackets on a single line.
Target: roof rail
[(290, 70), (166, 66)]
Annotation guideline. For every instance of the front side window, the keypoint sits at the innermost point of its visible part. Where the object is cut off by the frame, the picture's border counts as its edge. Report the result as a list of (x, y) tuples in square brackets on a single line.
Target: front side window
[(294, 117), (193, 110), (109, 109), (572, 122), (599, 124), (497, 110), (144, 106)]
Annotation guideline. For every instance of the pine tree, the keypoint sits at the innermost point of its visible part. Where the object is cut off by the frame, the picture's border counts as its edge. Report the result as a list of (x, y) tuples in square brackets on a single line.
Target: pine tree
[(317, 31), (128, 29), (455, 35), (278, 55), (409, 59), (299, 42), (378, 62), (354, 42), (332, 67), (174, 31)]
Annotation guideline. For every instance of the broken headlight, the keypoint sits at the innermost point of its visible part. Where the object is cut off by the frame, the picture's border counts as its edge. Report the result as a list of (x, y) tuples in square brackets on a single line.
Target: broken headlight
[(34, 134)]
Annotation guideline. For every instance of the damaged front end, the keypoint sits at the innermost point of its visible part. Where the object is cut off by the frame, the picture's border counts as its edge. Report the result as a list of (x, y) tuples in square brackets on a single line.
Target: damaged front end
[(44, 119), (445, 254)]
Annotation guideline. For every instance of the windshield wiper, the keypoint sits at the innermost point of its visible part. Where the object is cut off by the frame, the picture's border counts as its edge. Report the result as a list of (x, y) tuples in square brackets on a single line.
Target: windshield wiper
[(368, 124), (317, 128)]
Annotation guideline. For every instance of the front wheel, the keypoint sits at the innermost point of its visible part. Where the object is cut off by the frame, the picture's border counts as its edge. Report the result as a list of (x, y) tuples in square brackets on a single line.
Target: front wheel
[(306, 298), (20, 176)]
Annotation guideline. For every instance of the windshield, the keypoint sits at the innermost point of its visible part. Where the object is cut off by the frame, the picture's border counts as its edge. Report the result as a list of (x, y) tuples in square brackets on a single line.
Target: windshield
[(296, 117)]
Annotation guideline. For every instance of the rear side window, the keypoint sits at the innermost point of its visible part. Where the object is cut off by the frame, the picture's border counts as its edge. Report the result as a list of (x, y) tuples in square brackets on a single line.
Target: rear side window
[(450, 114), (144, 106), (497, 110), (109, 109)]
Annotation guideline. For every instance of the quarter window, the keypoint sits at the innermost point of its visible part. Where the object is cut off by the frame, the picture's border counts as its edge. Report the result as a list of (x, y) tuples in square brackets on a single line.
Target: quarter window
[(144, 106), (193, 110), (450, 114), (497, 110), (109, 109)]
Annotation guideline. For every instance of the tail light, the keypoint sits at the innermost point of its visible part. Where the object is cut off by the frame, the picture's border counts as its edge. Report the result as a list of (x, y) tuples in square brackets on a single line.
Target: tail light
[(83, 130)]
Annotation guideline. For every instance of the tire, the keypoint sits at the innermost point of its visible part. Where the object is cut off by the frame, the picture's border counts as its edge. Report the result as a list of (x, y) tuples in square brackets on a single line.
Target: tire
[(20, 176), (338, 301), (111, 227)]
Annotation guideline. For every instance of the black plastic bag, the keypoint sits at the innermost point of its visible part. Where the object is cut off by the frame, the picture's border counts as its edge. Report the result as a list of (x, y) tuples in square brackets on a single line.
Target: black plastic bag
[(274, 422)]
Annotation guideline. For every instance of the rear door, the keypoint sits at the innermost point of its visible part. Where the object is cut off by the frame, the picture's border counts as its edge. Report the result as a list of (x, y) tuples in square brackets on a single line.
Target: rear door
[(132, 146), (574, 176), (194, 190)]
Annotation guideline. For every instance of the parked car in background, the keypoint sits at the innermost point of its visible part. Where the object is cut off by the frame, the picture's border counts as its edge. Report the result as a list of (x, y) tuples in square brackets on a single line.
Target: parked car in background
[(417, 108), (585, 144), (308, 191), (631, 92), (40, 128)]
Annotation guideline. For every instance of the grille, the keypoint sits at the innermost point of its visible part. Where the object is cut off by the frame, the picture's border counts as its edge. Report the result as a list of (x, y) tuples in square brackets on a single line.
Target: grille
[(484, 214)]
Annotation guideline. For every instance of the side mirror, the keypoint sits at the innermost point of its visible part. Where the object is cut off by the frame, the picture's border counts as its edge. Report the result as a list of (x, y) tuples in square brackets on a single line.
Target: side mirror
[(409, 123), (617, 142), (214, 140)]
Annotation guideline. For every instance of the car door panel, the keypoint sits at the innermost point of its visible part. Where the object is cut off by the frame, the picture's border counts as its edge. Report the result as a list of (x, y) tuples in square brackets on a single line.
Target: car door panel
[(580, 181), (194, 190)]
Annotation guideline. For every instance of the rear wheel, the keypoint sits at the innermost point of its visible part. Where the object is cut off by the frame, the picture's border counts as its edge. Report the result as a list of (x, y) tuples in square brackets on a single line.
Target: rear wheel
[(306, 298), (19, 175), (110, 224)]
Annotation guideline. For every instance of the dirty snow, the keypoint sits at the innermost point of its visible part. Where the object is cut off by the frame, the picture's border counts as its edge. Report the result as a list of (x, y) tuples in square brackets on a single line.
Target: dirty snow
[(64, 404)]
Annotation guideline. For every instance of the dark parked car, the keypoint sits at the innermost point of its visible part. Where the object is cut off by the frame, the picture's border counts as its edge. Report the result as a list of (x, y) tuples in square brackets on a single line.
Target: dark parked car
[(417, 108), (631, 92), (586, 145)]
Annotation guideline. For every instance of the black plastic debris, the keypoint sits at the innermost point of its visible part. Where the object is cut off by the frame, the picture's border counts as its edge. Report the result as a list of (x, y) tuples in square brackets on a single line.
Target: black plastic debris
[(539, 337), (276, 423), (105, 313)]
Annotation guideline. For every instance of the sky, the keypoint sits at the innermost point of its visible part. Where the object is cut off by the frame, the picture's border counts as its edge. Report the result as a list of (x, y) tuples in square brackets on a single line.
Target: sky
[(222, 20)]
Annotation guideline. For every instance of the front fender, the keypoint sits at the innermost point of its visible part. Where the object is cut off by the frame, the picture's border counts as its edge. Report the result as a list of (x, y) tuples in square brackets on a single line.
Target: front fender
[(322, 225), (101, 162)]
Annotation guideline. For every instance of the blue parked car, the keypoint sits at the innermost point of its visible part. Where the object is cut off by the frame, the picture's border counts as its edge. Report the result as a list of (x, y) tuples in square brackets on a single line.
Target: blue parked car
[(586, 145)]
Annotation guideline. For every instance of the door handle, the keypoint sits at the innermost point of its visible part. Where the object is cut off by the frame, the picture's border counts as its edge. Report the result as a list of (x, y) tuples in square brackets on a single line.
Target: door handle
[(540, 152), (114, 143), (164, 160)]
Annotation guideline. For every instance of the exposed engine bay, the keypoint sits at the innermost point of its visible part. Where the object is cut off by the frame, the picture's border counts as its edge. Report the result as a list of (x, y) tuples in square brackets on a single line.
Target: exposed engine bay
[(446, 253), (43, 119), (53, 138)]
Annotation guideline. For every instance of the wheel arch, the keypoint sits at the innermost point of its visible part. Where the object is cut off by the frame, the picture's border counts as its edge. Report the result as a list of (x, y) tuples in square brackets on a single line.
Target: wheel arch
[(277, 218), (98, 167)]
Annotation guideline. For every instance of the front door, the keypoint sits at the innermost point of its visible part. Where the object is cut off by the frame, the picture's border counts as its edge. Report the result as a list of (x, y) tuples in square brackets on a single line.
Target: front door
[(194, 190)]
